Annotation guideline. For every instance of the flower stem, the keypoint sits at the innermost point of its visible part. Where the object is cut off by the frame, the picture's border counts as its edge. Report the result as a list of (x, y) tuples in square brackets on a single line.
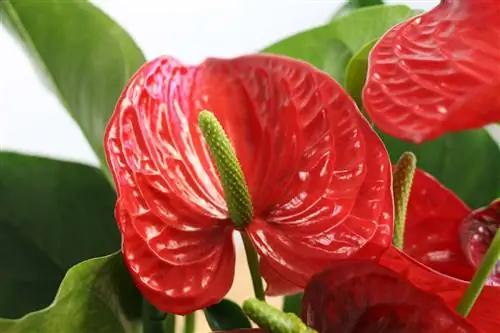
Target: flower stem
[(189, 323), (273, 320), (152, 318), (404, 171), (478, 281), (253, 266)]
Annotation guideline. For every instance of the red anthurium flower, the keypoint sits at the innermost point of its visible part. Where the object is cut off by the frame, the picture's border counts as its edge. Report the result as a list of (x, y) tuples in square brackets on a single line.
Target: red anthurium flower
[(438, 72), (355, 296), (318, 176), (444, 243)]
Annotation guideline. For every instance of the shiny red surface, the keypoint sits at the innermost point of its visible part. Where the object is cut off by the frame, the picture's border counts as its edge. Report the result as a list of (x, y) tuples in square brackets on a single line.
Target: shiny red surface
[(363, 297), (438, 72), (435, 258), (319, 177), (476, 234), (432, 234), (485, 315)]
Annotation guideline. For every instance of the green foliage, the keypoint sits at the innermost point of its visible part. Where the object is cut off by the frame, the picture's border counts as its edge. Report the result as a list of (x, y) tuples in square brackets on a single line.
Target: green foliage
[(226, 315), (293, 303), (54, 214), (83, 55), (355, 73), (467, 162), (96, 296), (330, 47)]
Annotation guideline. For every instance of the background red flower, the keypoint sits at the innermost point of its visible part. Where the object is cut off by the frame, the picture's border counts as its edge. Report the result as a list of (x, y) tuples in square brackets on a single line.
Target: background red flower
[(361, 297), (436, 258), (438, 72)]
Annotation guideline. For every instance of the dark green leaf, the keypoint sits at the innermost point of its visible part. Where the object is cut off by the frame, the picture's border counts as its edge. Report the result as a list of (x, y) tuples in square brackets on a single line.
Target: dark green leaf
[(293, 303), (225, 316), (467, 162), (85, 57), (96, 296), (53, 215), (356, 70), (330, 47)]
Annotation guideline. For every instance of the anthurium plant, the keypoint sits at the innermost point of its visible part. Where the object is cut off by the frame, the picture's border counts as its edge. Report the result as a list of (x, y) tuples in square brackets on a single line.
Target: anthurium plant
[(358, 161)]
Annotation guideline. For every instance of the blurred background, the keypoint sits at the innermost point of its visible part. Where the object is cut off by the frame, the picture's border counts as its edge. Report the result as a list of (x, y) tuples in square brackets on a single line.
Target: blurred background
[(33, 121)]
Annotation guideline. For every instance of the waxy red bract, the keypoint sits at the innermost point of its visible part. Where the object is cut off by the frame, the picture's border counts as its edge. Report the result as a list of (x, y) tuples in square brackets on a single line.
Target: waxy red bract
[(319, 177), (435, 257), (438, 72), (354, 296)]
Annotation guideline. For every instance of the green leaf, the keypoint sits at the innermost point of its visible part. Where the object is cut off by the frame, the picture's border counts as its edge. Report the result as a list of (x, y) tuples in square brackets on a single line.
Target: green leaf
[(366, 24), (293, 303), (318, 47), (225, 316), (356, 71), (354, 4), (84, 56), (53, 215), (330, 47), (96, 296), (466, 162)]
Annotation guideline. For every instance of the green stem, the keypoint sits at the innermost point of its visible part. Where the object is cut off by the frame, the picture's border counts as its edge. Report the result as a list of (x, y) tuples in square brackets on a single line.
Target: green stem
[(403, 174), (152, 318), (273, 320), (253, 266), (477, 284), (189, 323), (169, 323)]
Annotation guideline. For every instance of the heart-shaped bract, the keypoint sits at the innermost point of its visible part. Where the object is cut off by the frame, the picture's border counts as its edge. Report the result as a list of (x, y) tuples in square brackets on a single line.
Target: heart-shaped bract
[(445, 241), (359, 296), (438, 72), (318, 175)]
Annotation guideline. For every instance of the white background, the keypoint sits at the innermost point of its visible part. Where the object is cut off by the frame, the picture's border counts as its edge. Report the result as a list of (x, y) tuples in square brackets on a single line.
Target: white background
[(32, 120)]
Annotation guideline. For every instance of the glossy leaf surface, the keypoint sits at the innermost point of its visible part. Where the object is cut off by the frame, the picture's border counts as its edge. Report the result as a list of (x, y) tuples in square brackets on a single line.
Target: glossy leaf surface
[(330, 47), (86, 70), (363, 297), (318, 176), (53, 215), (437, 73), (225, 316), (96, 296)]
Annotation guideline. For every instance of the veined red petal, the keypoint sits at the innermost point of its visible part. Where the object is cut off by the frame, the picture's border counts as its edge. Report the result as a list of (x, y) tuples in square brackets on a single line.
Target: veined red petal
[(315, 169), (432, 232), (355, 296), (342, 202), (484, 315), (192, 272), (276, 285), (438, 72)]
